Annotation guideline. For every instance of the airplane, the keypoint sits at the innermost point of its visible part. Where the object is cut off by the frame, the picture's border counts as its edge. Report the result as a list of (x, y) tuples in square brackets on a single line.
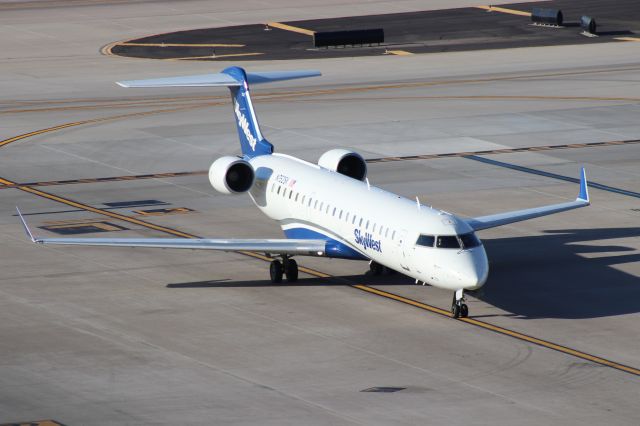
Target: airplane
[(330, 209)]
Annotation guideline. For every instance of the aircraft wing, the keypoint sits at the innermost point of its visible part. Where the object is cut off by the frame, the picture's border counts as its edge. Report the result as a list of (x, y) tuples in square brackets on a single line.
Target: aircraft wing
[(275, 246), (491, 221)]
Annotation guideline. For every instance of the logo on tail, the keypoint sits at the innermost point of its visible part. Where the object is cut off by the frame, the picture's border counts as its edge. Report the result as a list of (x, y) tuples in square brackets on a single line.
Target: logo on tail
[(243, 123)]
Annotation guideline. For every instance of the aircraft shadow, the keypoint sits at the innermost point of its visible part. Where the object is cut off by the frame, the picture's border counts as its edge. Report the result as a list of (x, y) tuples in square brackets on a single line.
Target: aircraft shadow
[(545, 276), (366, 279)]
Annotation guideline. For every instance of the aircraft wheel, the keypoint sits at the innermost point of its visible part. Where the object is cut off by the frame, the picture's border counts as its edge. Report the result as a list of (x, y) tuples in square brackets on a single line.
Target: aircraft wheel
[(275, 270), (291, 270), (464, 311), (455, 310), (376, 268)]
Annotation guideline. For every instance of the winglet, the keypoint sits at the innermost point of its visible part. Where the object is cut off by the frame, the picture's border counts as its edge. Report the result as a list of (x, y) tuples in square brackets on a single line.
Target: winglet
[(26, 227), (584, 190)]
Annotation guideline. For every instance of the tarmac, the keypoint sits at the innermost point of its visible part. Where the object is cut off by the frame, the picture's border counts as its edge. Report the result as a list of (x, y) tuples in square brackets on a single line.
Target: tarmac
[(406, 33), (99, 336)]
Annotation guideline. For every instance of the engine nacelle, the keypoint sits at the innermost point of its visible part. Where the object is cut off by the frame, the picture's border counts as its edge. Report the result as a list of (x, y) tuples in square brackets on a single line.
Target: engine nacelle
[(345, 162), (231, 175)]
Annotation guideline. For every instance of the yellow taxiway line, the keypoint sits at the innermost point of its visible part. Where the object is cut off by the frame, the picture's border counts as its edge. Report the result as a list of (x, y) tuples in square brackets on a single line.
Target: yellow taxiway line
[(179, 45), (291, 28), (398, 52), (627, 38), (214, 56), (504, 10)]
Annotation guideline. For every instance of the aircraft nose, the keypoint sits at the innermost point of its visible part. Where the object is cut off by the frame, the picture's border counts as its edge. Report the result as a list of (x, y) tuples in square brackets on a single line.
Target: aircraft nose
[(473, 273), (474, 278), (480, 269)]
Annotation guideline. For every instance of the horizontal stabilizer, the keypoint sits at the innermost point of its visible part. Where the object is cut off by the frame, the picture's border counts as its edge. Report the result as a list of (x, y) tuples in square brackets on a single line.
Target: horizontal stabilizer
[(202, 80), (271, 76), (219, 79)]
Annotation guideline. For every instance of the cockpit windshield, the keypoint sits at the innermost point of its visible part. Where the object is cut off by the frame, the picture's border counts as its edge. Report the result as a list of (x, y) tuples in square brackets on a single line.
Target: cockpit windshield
[(447, 242), (426, 240), (469, 240), (465, 241)]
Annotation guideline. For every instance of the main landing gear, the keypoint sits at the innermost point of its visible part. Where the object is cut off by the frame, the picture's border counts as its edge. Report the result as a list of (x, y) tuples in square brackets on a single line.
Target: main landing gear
[(377, 269), (288, 267), (458, 308)]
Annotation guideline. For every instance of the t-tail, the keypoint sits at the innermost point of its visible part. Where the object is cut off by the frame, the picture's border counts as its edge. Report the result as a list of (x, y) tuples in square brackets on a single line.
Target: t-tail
[(238, 81)]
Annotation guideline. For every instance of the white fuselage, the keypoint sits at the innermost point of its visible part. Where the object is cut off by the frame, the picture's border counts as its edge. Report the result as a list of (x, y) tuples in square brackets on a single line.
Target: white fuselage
[(365, 222)]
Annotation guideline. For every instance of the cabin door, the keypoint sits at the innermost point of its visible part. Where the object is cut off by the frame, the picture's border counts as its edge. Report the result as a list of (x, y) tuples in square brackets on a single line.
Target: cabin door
[(403, 250)]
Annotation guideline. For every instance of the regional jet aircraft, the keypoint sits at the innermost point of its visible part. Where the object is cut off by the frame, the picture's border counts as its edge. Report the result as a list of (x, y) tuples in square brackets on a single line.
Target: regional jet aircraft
[(329, 209)]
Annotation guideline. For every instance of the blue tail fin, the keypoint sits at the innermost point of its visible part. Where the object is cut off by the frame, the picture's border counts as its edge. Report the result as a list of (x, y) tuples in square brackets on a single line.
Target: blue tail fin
[(251, 141), (237, 80)]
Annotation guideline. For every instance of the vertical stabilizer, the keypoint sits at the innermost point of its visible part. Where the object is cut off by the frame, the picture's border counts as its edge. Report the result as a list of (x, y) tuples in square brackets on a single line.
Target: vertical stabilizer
[(251, 141)]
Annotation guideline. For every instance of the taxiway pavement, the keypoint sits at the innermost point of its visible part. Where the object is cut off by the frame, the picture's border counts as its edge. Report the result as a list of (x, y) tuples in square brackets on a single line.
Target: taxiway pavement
[(115, 336)]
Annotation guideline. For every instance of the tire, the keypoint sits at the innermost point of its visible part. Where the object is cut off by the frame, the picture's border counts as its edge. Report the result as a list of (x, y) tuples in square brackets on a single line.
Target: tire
[(291, 270), (376, 268), (455, 310), (464, 311), (275, 270)]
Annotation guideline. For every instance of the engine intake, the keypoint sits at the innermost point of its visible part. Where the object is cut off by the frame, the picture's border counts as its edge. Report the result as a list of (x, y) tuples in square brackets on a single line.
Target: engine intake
[(231, 175), (345, 162)]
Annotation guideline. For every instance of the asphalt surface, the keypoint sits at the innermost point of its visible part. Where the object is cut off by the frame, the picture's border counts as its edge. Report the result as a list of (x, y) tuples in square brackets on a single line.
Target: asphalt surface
[(95, 336), (460, 29)]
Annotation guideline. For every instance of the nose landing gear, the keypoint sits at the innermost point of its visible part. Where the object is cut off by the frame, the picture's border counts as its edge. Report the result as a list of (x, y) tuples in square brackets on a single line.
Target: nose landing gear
[(288, 267), (458, 308)]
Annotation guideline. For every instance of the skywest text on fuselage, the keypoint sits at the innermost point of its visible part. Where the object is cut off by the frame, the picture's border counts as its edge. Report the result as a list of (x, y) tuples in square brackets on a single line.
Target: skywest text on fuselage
[(367, 241)]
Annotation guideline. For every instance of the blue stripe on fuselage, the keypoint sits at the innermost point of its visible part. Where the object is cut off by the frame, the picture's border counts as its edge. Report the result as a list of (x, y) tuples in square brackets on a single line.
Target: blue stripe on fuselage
[(333, 248)]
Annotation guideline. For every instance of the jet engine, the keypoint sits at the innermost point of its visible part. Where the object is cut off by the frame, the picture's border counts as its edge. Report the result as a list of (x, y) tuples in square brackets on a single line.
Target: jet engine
[(231, 175), (345, 162)]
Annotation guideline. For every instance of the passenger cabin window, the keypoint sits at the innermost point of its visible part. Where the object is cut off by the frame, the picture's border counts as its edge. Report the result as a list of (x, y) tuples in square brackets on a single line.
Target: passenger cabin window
[(360, 222), (321, 204), (470, 240), (367, 227), (279, 190), (374, 228), (426, 240), (303, 197), (334, 211), (340, 217), (297, 195), (447, 242), (393, 235), (386, 233)]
